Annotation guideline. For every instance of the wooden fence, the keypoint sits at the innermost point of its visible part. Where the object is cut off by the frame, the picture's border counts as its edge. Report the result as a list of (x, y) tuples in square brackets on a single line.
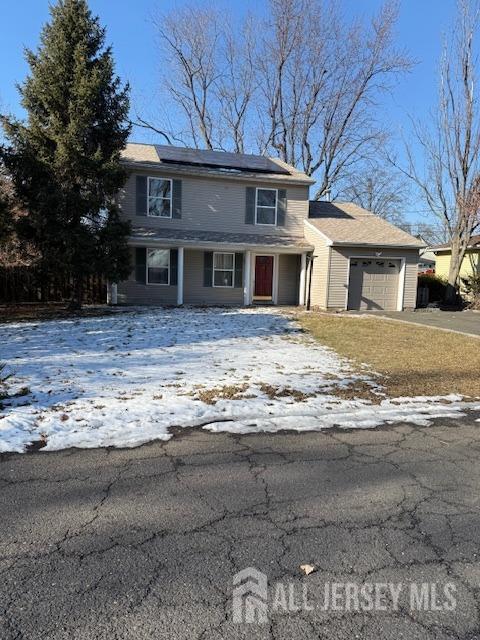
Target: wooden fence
[(26, 284)]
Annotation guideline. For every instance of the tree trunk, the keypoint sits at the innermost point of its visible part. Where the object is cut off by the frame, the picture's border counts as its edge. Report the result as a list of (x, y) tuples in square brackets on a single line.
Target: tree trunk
[(451, 293), (76, 300)]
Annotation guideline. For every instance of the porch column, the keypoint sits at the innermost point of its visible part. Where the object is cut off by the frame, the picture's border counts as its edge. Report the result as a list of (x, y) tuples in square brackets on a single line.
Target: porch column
[(247, 278), (114, 293), (180, 276), (303, 279), (112, 296)]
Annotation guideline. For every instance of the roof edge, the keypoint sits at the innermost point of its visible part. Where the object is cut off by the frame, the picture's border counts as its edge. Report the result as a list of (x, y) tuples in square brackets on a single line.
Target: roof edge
[(327, 240), (301, 179), (381, 245)]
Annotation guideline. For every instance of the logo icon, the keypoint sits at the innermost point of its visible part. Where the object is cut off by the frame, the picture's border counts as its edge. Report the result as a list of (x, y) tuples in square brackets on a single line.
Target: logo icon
[(250, 594)]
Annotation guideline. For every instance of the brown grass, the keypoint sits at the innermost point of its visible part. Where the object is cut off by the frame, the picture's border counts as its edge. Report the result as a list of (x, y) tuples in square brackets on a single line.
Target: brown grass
[(414, 360), (284, 392), (227, 392)]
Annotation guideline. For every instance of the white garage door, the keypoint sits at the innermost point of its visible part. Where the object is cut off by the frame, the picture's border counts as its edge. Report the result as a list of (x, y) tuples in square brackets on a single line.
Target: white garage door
[(373, 283)]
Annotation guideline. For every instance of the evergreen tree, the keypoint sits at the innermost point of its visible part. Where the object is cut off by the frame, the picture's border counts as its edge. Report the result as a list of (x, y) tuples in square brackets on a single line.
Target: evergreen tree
[(6, 206), (65, 158)]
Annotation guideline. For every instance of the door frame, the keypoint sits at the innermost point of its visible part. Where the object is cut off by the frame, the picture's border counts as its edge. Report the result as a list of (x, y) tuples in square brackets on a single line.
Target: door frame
[(401, 276), (274, 276)]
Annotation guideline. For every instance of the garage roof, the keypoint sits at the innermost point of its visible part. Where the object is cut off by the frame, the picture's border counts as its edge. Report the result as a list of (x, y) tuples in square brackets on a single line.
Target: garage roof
[(345, 223)]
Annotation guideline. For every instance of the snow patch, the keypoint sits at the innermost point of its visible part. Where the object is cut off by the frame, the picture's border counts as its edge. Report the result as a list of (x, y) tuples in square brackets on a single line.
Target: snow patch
[(127, 379)]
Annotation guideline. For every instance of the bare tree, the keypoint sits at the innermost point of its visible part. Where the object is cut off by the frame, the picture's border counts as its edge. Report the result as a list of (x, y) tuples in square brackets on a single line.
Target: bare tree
[(321, 77), (236, 86), (210, 77), (449, 175), (191, 40), (302, 83), (379, 189)]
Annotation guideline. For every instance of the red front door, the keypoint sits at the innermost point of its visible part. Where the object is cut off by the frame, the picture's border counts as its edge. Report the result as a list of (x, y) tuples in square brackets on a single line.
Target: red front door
[(263, 276)]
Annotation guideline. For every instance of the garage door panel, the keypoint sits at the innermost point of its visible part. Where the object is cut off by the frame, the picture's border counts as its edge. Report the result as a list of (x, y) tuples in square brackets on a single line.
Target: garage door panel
[(373, 284)]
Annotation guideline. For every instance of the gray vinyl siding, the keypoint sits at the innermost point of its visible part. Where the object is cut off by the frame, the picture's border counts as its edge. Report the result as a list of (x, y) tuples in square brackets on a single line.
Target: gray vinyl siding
[(132, 292), (288, 279), (195, 293), (217, 205), (318, 292), (338, 273)]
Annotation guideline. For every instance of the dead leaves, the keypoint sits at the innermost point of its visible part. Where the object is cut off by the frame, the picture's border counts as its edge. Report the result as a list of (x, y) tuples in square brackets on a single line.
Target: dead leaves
[(307, 569)]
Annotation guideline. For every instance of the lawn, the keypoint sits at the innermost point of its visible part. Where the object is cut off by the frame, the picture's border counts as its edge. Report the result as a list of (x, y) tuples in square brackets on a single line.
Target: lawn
[(413, 360), (128, 378)]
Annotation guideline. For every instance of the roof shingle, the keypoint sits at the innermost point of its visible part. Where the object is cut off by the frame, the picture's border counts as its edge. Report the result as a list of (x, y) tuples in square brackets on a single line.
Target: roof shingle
[(217, 237), (346, 223), (183, 159)]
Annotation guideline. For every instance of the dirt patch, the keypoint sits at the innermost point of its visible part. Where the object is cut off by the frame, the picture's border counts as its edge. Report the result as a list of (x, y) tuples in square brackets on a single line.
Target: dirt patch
[(357, 391), (52, 311), (285, 392), (227, 392)]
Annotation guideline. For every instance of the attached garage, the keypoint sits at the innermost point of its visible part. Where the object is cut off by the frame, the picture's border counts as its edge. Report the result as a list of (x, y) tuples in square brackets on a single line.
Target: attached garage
[(360, 261), (374, 283)]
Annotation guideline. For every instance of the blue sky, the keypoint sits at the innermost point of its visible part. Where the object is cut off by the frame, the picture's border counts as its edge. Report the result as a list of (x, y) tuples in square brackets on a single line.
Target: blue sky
[(420, 29)]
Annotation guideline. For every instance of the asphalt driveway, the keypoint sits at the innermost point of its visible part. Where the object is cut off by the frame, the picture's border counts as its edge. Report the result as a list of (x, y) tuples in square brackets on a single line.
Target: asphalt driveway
[(143, 543), (461, 321)]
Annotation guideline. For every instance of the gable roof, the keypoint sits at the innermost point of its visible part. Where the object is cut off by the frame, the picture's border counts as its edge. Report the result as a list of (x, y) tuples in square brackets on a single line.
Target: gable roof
[(473, 244), (201, 161), (345, 223)]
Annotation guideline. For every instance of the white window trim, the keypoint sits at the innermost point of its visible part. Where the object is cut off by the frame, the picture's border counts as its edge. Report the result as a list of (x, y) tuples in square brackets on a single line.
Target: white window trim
[(159, 284), (159, 197), (223, 286), (257, 207)]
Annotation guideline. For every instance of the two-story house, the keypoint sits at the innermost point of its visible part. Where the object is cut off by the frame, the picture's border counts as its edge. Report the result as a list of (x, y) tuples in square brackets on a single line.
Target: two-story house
[(210, 227)]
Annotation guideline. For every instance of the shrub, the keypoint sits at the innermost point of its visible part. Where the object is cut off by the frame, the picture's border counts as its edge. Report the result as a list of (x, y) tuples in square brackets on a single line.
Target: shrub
[(436, 286), (471, 287)]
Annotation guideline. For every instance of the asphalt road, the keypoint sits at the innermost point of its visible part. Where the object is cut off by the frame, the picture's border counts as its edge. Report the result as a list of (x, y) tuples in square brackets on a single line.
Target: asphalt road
[(143, 543), (460, 321)]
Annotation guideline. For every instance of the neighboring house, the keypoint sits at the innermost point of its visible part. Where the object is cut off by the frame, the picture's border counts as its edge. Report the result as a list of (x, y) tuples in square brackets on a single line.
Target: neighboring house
[(210, 227), (470, 263), (427, 260)]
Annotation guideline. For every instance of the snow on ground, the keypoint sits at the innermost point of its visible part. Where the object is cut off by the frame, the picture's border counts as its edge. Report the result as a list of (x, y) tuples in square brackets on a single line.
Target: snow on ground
[(125, 379)]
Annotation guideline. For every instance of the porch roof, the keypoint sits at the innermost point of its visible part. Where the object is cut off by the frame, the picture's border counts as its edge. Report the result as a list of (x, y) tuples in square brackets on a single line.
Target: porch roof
[(199, 239)]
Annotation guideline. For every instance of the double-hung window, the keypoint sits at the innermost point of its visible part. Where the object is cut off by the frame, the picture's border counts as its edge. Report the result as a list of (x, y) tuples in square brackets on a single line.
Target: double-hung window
[(159, 197), (266, 206), (158, 266), (223, 269)]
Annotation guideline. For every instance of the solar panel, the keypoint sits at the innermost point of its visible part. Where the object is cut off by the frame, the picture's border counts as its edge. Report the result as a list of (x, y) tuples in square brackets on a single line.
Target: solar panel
[(218, 159)]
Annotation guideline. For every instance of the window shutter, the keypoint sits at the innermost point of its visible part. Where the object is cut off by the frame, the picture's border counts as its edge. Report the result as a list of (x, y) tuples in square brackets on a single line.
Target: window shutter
[(176, 198), (238, 270), (281, 207), (207, 268), (141, 265), (250, 206), (173, 267), (141, 196)]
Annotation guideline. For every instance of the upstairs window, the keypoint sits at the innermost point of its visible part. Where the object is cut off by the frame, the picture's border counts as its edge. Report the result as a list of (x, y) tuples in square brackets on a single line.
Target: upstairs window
[(159, 196), (158, 266), (223, 269), (266, 207)]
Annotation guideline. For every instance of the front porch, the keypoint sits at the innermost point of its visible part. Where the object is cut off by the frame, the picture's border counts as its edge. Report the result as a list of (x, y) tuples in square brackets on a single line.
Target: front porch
[(214, 275)]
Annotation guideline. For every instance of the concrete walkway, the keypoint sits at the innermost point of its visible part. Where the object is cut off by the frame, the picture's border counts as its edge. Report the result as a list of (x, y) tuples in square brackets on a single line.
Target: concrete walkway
[(467, 322)]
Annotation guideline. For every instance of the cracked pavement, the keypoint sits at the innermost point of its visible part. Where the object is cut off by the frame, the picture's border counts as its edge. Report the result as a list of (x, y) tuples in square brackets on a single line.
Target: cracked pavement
[(143, 543)]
